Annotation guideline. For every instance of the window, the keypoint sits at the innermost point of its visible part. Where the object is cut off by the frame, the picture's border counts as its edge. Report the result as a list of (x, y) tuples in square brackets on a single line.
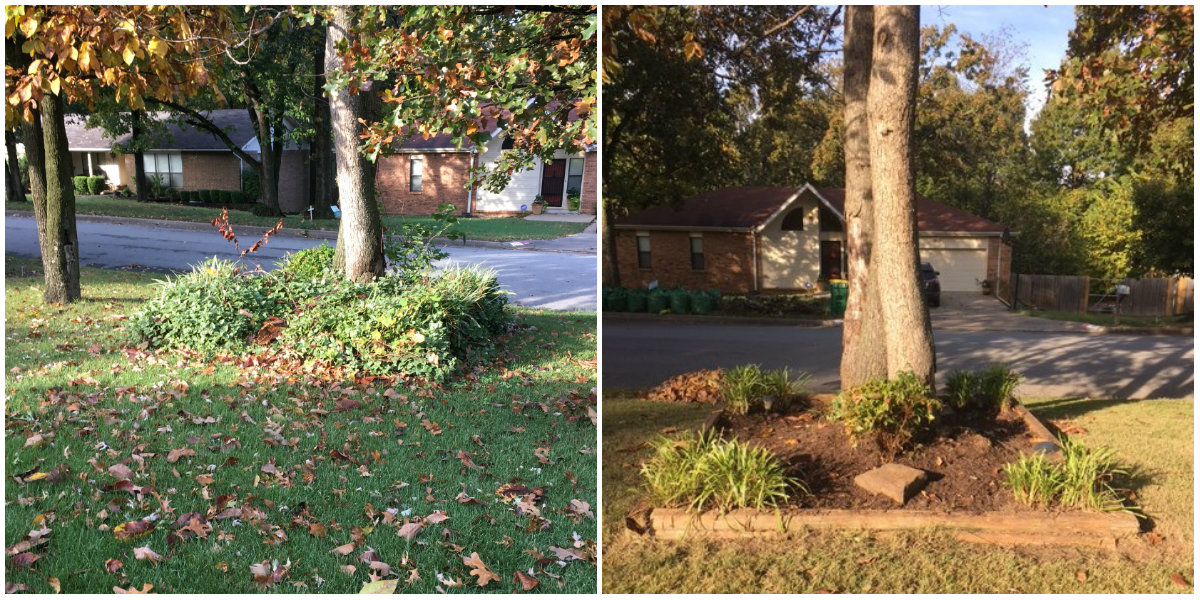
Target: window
[(643, 246), (697, 243), (414, 174), (575, 176), (794, 221), (168, 166)]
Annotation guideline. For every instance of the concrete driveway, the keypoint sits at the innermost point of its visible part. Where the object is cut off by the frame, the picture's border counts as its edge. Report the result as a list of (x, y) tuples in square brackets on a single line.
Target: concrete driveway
[(970, 311)]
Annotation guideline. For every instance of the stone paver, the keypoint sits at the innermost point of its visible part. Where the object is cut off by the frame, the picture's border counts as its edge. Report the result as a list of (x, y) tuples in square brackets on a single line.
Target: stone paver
[(898, 482)]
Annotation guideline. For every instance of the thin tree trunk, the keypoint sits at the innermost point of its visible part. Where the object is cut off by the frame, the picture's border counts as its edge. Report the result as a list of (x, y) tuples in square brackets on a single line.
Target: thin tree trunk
[(139, 159), (611, 273), (359, 252), (891, 102), (863, 357), (322, 191), (56, 227), (13, 187), (268, 151)]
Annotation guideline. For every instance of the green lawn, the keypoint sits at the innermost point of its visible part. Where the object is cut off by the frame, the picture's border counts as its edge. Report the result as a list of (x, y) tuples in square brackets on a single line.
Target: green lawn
[(1153, 436), (308, 466), (497, 229)]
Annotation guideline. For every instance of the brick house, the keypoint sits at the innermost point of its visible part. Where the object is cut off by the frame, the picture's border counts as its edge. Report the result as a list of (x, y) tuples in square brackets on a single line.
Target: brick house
[(742, 240), (187, 158), (424, 173)]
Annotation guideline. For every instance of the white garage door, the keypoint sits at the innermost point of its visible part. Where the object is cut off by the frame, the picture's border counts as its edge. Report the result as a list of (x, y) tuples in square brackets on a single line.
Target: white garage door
[(959, 269)]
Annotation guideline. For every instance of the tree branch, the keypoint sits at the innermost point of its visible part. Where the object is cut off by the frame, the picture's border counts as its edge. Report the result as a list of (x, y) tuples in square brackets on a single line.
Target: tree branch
[(197, 119)]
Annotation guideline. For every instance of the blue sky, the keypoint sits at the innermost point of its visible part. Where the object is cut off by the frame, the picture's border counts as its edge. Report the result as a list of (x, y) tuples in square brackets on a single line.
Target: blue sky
[(1042, 30)]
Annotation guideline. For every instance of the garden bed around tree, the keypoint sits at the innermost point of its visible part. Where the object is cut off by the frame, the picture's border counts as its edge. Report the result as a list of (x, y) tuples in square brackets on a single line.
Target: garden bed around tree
[(963, 458)]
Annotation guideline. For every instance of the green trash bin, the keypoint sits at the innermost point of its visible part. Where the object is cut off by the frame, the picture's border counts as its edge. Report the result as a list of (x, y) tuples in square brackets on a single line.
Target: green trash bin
[(636, 301), (657, 301), (681, 301), (617, 300), (839, 290), (702, 303)]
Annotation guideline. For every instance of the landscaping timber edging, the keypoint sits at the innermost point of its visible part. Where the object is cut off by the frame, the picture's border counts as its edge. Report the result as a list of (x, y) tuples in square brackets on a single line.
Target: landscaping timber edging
[(1004, 528), (1089, 529)]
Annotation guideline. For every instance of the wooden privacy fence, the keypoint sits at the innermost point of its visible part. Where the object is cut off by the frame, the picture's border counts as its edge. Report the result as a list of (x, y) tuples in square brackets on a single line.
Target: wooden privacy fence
[(1071, 293)]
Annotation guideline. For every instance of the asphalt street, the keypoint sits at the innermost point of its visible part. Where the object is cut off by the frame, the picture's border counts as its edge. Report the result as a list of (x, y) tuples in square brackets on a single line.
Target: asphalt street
[(554, 280), (639, 354)]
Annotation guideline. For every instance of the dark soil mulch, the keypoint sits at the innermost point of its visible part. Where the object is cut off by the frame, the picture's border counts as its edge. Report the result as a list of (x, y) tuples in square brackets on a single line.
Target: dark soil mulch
[(964, 457)]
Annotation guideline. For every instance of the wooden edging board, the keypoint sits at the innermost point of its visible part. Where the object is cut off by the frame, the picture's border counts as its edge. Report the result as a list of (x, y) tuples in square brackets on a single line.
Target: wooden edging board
[(1099, 530)]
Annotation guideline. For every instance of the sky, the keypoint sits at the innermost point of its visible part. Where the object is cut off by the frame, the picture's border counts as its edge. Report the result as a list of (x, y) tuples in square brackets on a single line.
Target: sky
[(1041, 29)]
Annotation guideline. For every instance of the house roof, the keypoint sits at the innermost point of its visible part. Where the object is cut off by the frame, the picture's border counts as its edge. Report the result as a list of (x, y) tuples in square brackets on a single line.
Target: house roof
[(750, 208), (234, 121)]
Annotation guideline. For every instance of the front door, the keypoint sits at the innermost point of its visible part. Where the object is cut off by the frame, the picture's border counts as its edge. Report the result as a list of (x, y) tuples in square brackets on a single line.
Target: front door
[(831, 260), (554, 176)]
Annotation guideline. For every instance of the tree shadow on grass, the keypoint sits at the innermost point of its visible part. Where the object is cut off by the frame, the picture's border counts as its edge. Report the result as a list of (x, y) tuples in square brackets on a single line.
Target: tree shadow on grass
[(1069, 408)]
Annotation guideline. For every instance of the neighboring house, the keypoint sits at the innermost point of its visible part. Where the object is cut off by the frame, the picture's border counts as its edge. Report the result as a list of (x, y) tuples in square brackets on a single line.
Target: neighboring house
[(188, 158), (777, 239), (424, 173)]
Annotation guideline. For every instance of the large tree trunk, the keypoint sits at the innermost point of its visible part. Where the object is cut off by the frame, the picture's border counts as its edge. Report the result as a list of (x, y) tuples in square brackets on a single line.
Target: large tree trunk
[(611, 273), (13, 188), (56, 217), (891, 102), (863, 357), (139, 159), (322, 188), (359, 252)]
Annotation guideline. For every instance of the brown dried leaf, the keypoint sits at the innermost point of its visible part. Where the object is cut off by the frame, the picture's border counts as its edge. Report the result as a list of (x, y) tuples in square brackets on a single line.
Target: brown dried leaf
[(179, 453), (410, 530), (23, 560), (120, 471), (145, 553), (132, 529), (527, 582), (145, 589), (113, 565), (1180, 581), (480, 570), (344, 549), (437, 517)]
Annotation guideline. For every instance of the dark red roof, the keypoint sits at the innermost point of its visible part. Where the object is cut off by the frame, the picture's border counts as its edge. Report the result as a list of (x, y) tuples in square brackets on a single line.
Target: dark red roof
[(749, 207), (735, 208)]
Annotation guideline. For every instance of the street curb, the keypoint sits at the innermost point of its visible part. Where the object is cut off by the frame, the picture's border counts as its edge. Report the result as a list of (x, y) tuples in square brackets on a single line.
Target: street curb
[(815, 323), (254, 230), (722, 319)]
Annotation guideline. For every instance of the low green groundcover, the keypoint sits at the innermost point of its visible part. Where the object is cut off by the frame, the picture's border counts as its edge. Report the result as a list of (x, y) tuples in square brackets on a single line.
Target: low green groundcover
[(424, 325)]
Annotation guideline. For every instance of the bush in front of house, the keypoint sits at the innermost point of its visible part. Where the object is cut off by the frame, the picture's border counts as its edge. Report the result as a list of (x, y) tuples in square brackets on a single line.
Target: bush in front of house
[(251, 185), (424, 327), (893, 412), (205, 195), (310, 263), (237, 197), (702, 471), (95, 184), (80, 184)]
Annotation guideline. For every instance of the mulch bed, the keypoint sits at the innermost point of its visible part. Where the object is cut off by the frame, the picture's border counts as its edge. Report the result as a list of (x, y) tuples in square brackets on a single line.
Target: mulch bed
[(964, 456)]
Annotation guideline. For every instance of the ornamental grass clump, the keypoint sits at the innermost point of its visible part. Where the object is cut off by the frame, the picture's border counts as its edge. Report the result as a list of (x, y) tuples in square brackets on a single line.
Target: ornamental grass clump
[(749, 388), (702, 471), (892, 412), (1082, 479), (990, 390)]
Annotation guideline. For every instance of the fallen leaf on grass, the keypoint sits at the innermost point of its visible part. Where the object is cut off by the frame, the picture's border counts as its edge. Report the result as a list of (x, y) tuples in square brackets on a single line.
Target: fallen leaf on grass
[(145, 553), (23, 560), (113, 565), (132, 529), (119, 471), (567, 554), (383, 586), (480, 570), (179, 453), (55, 584), (581, 508), (410, 530), (34, 440), (1081, 576), (527, 582), (344, 549), (145, 589), (1180, 581), (437, 517)]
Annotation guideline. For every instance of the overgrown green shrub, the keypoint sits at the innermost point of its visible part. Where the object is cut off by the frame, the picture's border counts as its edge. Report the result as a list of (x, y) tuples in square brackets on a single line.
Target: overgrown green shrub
[(213, 308), (1082, 479), (226, 196), (423, 328), (310, 263), (991, 389), (237, 197), (80, 184), (95, 184), (262, 210), (702, 471), (411, 251), (205, 195), (780, 390), (893, 412)]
